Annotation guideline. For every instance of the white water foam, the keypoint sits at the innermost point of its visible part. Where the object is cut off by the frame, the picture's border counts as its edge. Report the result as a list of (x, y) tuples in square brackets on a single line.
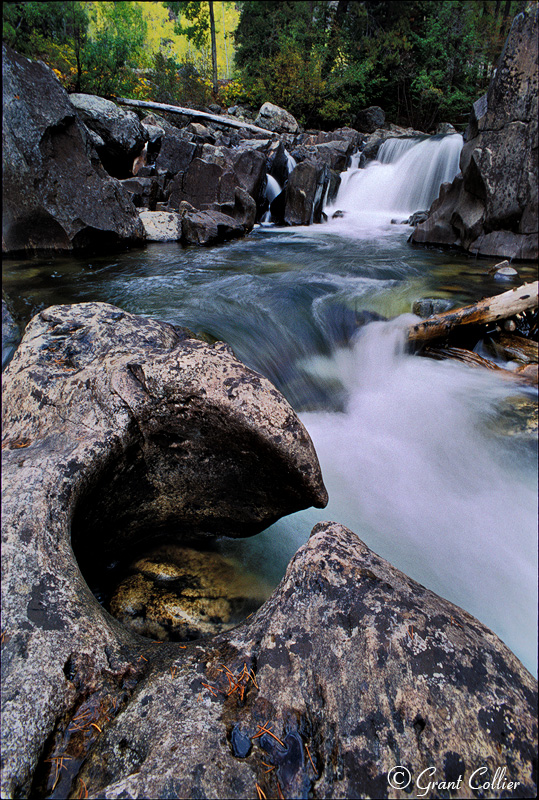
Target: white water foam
[(412, 468), (406, 177)]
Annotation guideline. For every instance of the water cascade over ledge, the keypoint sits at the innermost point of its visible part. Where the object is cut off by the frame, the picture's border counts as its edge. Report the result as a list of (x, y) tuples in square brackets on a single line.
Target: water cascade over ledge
[(406, 177)]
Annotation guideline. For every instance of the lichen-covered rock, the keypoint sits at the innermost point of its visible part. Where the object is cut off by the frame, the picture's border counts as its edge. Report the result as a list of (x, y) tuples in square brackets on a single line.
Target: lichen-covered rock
[(116, 427), (56, 196), (491, 209), (162, 226), (349, 671), (276, 119)]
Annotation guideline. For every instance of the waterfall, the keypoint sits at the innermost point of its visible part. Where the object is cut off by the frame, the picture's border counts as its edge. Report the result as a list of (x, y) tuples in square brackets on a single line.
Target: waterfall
[(406, 177), (273, 188), (290, 162)]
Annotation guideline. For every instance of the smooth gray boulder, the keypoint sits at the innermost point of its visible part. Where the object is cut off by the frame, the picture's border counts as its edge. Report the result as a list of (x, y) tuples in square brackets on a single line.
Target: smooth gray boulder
[(56, 196), (116, 427), (491, 208), (276, 119)]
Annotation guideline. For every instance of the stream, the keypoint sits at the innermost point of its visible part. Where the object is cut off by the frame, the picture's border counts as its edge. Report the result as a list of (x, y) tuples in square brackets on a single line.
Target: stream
[(413, 451)]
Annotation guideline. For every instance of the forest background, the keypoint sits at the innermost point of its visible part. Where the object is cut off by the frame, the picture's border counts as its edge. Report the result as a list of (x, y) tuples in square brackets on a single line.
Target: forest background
[(422, 61)]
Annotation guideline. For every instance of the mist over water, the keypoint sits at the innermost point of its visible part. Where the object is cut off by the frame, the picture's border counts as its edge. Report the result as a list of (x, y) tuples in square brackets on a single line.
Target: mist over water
[(413, 467)]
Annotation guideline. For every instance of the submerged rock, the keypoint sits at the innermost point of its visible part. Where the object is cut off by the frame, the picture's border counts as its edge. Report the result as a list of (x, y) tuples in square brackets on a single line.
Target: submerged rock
[(178, 593)]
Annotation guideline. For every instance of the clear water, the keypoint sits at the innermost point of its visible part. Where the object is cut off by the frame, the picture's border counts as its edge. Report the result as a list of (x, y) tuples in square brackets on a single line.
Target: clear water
[(410, 448)]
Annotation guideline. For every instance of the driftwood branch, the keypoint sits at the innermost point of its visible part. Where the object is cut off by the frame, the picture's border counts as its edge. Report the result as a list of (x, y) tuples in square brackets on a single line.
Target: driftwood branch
[(191, 112), (491, 309)]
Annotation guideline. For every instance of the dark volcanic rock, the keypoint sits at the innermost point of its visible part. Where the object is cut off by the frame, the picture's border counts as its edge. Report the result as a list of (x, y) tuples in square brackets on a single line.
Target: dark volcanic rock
[(55, 194), (304, 193), (491, 209), (120, 130), (369, 119), (207, 227)]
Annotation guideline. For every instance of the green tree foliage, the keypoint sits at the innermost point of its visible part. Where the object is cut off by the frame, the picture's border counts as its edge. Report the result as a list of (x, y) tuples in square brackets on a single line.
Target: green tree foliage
[(55, 32), (115, 48), (423, 61), (200, 27)]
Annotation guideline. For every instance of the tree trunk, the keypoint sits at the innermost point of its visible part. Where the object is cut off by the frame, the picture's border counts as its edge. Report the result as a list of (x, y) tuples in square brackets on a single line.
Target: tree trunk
[(213, 50), (191, 112), (491, 309)]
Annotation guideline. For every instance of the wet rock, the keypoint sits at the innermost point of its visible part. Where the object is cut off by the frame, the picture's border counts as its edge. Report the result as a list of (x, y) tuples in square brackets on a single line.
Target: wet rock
[(428, 306), (120, 129), (276, 119), (56, 194), (369, 119), (349, 135), (505, 274), (11, 334), (178, 593), (143, 191), (417, 217), (207, 227), (444, 128), (491, 208), (352, 667), (304, 193)]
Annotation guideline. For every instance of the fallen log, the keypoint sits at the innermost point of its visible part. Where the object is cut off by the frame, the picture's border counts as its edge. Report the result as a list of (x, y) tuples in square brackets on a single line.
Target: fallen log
[(191, 112), (474, 360), (491, 309)]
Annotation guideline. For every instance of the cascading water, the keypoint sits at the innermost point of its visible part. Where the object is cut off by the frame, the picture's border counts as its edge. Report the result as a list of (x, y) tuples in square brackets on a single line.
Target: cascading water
[(273, 188), (406, 177)]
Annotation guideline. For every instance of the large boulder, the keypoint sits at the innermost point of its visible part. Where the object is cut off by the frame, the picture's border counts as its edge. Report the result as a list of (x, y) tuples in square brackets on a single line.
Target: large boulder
[(120, 130), (491, 209), (352, 680), (302, 199), (114, 426), (223, 180), (369, 119), (276, 119), (55, 194), (207, 227)]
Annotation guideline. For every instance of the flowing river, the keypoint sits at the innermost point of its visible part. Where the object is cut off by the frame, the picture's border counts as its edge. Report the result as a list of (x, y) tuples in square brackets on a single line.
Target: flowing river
[(414, 452)]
